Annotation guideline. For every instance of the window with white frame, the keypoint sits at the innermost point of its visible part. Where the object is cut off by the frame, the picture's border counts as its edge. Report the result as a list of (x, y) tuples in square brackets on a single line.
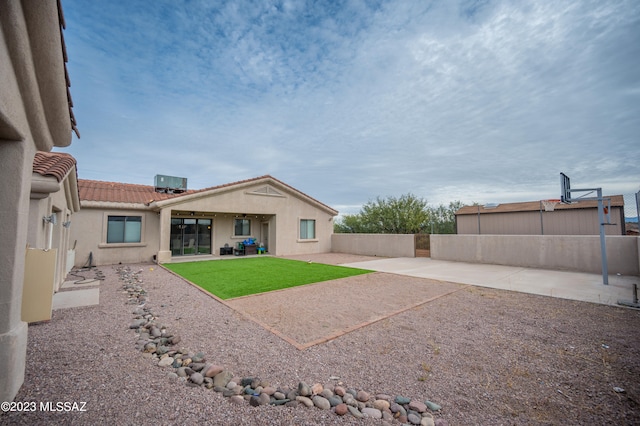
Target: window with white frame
[(307, 229), (124, 229), (242, 228)]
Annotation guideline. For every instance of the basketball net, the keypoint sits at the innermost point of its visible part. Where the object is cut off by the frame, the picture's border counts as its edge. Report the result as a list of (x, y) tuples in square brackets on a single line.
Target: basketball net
[(549, 205)]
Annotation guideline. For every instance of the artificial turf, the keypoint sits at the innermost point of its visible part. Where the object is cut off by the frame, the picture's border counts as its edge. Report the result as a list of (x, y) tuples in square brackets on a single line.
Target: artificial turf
[(241, 277)]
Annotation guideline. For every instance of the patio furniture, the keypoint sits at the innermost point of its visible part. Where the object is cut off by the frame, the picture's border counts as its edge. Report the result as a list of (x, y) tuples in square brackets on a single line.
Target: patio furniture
[(250, 249)]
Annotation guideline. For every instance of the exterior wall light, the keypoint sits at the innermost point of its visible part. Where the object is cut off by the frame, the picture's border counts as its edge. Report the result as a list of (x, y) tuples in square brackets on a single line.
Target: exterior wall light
[(52, 219)]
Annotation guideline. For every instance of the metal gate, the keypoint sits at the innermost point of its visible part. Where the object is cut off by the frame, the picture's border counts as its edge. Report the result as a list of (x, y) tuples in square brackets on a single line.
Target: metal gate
[(422, 244)]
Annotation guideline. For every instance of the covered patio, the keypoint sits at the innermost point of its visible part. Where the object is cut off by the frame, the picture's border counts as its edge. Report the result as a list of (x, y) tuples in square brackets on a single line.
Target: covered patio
[(198, 233)]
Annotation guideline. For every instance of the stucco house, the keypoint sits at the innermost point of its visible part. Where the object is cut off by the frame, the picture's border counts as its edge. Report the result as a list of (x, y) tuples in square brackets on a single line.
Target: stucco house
[(131, 223), (35, 115), (53, 201)]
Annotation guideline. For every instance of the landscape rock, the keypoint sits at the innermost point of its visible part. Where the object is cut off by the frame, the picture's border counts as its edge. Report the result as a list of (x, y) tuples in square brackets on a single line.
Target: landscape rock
[(414, 419), (222, 378), (432, 406), (335, 401), (236, 399), (165, 362), (196, 378), (257, 400), (341, 409), (269, 390), (362, 396), (372, 412), (381, 404), (397, 408), (427, 420), (321, 402), (327, 393), (339, 390), (196, 366), (402, 400), (418, 406), (304, 389), (306, 401), (137, 323), (214, 370), (354, 412)]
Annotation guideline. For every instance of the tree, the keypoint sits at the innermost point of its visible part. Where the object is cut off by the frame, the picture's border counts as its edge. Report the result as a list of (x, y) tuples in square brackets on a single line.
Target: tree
[(444, 218), (349, 224), (404, 215)]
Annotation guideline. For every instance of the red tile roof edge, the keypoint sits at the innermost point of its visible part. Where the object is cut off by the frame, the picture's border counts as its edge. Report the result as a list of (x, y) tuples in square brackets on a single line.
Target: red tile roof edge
[(56, 164), (153, 196)]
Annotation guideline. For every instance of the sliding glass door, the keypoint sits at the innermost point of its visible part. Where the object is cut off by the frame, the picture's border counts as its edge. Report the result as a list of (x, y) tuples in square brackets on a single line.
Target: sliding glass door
[(190, 236)]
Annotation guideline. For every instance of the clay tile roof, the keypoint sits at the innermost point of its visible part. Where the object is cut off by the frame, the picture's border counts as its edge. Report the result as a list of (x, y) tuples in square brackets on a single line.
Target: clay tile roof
[(56, 164), (93, 190), (115, 192), (63, 26)]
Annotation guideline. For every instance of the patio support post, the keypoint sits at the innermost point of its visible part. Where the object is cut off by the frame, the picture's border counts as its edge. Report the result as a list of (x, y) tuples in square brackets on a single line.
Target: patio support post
[(164, 255)]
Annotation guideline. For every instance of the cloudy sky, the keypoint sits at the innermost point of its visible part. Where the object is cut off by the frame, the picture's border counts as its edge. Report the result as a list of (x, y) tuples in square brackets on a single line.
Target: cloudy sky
[(471, 100)]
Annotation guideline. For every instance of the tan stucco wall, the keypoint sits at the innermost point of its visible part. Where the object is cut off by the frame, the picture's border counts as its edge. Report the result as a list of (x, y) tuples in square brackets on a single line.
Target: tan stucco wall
[(33, 90), (89, 233), (387, 245), (564, 252), (34, 115), (59, 202)]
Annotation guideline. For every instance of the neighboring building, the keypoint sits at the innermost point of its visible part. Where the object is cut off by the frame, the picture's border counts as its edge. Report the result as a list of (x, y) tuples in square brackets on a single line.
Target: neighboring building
[(35, 115), (54, 191), (129, 223), (530, 218)]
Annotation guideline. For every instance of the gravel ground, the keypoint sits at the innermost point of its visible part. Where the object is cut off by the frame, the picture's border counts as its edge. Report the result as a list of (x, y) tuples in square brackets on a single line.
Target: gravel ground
[(486, 356)]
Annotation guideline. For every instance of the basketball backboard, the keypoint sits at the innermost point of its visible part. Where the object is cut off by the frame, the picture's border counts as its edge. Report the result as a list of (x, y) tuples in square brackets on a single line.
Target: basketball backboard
[(565, 188)]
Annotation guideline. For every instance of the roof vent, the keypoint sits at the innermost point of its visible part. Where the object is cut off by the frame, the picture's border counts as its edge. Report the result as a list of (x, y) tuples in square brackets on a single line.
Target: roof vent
[(170, 184), (491, 205)]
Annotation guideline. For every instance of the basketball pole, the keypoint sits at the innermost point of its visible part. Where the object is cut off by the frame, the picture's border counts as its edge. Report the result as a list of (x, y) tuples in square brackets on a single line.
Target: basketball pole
[(603, 243), (565, 197)]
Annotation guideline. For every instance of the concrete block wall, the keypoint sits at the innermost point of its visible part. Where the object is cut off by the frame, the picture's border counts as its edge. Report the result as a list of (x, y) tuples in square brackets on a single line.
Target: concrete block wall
[(385, 245)]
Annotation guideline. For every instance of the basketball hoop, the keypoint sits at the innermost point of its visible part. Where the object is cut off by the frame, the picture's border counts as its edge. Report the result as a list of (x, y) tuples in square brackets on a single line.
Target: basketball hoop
[(549, 205)]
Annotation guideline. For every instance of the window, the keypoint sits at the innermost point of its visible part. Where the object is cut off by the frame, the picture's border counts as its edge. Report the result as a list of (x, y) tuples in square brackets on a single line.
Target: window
[(242, 227), (124, 229), (307, 229)]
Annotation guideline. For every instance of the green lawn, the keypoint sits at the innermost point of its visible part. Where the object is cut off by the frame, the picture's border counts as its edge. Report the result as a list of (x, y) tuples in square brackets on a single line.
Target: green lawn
[(240, 277)]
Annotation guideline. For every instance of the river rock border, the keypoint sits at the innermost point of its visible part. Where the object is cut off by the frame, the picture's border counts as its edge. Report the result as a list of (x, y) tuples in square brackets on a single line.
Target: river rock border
[(193, 369)]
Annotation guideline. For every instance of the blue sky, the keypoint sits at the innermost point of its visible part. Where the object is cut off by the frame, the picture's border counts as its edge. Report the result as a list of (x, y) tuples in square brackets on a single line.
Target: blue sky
[(471, 100)]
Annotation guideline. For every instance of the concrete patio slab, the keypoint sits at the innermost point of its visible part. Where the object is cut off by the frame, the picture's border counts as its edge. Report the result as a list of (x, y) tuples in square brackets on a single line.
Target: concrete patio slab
[(76, 298), (563, 284), (79, 284)]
